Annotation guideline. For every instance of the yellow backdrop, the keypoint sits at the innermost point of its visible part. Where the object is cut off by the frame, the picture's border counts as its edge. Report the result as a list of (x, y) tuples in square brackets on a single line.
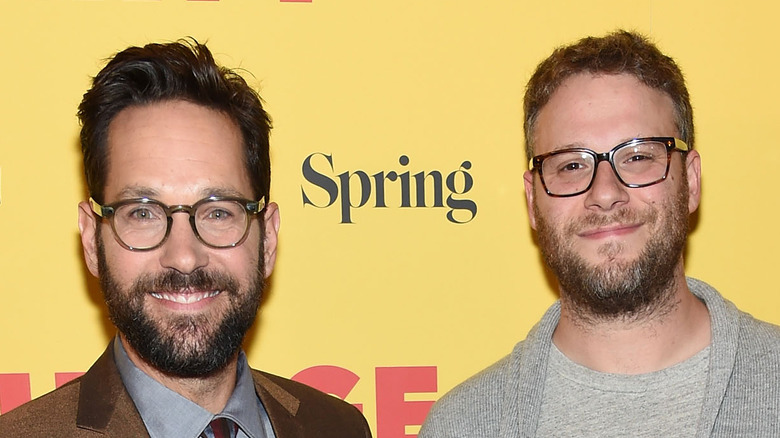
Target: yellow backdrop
[(387, 306)]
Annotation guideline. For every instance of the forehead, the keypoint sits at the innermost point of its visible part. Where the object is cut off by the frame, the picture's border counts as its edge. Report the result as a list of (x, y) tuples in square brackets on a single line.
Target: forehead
[(600, 111), (177, 150)]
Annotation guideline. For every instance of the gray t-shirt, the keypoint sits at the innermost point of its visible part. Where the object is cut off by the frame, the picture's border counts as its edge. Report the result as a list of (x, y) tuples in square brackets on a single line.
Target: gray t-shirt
[(580, 402)]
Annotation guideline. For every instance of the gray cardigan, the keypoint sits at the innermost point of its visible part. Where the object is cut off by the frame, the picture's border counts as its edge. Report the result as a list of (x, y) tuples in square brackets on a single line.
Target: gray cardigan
[(742, 395)]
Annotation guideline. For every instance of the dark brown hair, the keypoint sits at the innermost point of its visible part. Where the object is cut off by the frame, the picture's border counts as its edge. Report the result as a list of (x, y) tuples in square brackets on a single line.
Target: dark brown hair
[(182, 70)]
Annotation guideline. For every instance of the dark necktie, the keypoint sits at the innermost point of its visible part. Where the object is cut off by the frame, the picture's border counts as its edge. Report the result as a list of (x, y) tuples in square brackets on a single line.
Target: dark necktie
[(220, 428)]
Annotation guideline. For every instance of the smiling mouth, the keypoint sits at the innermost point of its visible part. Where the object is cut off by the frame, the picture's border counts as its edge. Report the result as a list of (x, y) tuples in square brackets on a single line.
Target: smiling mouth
[(184, 298)]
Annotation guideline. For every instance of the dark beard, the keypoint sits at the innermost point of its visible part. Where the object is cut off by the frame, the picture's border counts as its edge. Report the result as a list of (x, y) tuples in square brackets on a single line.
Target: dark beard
[(619, 290), (183, 346)]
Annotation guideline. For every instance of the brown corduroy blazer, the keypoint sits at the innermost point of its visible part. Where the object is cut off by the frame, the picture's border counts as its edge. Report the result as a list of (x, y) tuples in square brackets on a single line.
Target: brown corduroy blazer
[(97, 405)]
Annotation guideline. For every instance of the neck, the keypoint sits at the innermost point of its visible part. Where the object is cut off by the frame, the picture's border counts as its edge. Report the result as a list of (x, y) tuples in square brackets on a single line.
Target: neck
[(669, 335), (209, 392)]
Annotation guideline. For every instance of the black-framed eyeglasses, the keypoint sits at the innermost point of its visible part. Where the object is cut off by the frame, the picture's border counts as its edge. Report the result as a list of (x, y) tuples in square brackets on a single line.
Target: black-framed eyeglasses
[(143, 224), (639, 162)]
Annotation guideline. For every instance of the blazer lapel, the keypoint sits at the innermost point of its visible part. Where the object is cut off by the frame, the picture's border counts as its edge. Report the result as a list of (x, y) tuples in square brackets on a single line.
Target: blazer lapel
[(105, 406), (282, 407)]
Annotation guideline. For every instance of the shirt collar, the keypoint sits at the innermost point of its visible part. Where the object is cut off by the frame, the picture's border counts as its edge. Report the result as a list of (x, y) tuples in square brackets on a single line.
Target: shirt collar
[(167, 413)]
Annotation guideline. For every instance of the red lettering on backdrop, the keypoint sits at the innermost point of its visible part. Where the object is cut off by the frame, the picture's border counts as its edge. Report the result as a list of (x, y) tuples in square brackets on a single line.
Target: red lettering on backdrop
[(63, 378), (330, 380), (393, 412), (14, 391)]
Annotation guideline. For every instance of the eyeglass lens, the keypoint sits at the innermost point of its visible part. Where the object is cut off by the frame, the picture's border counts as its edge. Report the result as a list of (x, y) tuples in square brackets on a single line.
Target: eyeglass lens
[(145, 225), (636, 164)]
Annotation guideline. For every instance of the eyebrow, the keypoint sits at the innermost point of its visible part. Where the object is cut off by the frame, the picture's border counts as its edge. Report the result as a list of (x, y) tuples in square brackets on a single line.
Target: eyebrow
[(568, 146), (579, 145), (222, 191), (137, 191)]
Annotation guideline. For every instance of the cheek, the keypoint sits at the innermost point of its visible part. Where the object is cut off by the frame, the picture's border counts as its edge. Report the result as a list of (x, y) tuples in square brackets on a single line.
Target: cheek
[(125, 265), (556, 211), (253, 245), (663, 194), (244, 260)]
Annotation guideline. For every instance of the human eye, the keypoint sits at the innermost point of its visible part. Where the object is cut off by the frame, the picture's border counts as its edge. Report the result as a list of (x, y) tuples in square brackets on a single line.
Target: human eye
[(220, 212), (140, 214), (637, 157), (641, 155), (570, 164)]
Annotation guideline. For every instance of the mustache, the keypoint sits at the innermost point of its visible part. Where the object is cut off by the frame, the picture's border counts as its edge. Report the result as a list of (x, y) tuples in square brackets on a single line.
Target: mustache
[(622, 216), (172, 280)]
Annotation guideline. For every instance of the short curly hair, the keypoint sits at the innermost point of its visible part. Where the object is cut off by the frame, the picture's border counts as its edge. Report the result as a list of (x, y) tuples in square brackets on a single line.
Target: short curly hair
[(620, 52)]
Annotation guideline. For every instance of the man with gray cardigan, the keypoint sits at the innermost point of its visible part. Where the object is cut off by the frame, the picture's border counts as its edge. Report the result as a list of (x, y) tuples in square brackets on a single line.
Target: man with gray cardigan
[(633, 347)]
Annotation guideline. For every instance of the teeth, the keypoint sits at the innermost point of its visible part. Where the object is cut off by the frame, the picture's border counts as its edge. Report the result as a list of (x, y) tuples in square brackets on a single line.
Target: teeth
[(187, 298)]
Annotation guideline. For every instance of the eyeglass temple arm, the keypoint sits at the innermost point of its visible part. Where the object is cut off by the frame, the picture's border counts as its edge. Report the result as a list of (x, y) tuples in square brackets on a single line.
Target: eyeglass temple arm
[(99, 209), (681, 145), (256, 207)]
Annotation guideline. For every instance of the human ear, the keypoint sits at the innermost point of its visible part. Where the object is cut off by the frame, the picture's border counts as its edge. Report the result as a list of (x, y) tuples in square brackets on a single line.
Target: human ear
[(88, 224), (271, 233), (693, 172), (528, 182)]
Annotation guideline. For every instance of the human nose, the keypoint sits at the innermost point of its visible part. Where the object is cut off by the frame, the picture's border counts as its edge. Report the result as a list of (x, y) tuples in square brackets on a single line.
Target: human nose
[(182, 250), (606, 191)]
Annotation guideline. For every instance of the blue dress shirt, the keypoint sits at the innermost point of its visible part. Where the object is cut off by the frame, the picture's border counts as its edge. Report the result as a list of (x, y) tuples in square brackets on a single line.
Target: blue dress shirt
[(167, 414)]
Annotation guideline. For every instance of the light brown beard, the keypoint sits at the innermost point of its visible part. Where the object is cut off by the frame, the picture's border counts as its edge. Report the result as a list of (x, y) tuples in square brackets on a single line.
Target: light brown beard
[(619, 290)]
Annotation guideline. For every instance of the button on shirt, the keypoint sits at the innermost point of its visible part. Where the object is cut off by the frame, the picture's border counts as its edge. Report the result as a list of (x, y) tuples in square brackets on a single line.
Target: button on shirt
[(167, 414)]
